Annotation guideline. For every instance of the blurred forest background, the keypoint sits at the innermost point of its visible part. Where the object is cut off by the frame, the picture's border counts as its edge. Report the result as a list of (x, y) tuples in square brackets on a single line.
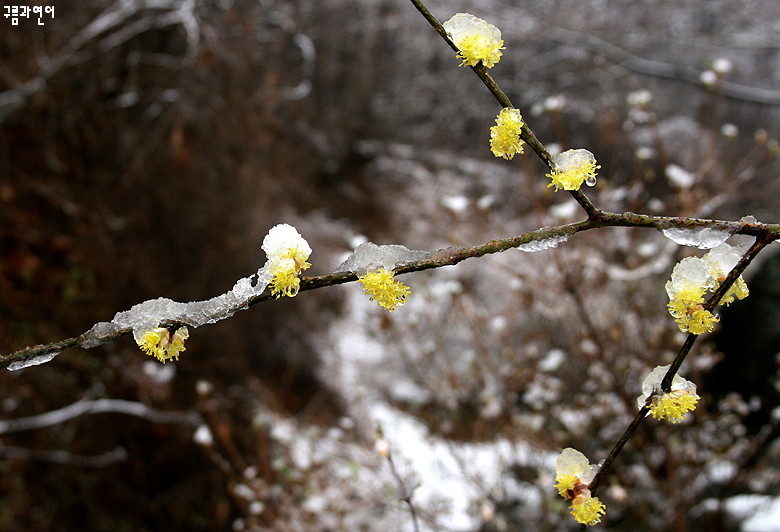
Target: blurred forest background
[(147, 146)]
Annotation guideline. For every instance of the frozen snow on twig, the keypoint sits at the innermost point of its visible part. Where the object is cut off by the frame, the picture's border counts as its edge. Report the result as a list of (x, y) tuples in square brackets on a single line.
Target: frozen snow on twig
[(545, 243), (151, 313), (702, 238), (368, 256), (35, 361)]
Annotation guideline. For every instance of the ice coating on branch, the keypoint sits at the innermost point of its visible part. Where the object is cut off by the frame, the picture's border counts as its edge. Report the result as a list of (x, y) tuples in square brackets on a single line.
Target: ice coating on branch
[(149, 314), (286, 252), (35, 361), (702, 238), (545, 243), (369, 257), (99, 334)]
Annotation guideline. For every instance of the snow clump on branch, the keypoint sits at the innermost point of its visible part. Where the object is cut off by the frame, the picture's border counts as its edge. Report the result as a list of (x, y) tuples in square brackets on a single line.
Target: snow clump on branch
[(476, 39)]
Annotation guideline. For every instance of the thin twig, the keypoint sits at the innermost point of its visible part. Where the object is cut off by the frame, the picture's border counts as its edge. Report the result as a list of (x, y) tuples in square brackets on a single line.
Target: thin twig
[(119, 454), (383, 447), (98, 406), (406, 495)]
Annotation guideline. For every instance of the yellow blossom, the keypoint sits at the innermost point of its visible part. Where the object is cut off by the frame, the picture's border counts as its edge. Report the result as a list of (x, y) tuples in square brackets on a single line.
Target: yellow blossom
[(159, 343), (476, 39), (565, 484), (572, 168), (573, 475), (177, 343), (685, 306), (505, 138), (738, 290), (692, 278), (720, 260), (384, 288), (287, 253), (673, 405), (284, 280), (588, 510)]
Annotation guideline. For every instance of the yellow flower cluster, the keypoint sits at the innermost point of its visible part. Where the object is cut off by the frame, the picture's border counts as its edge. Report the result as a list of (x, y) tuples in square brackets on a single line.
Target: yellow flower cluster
[(686, 308), (476, 39), (573, 475), (673, 405), (285, 271), (572, 168), (384, 288), (587, 510), (287, 253), (505, 138), (692, 278), (159, 343)]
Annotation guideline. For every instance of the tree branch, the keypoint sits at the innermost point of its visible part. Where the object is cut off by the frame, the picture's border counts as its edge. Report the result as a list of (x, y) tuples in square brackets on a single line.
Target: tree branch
[(97, 406), (449, 257)]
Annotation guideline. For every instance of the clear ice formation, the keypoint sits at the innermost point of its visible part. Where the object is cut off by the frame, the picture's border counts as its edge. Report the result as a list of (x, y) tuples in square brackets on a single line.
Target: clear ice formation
[(702, 238), (149, 314), (35, 361), (545, 243), (652, 384), (368, 256)]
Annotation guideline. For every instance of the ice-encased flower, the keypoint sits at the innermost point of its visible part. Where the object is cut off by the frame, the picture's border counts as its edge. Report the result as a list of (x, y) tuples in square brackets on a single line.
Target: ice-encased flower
[(287, 253), (572, 468), (573, 475), (476, 39), (673, 405), (692, 278), (721, 260), (384, 288), (505, 138), (572, 168)]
